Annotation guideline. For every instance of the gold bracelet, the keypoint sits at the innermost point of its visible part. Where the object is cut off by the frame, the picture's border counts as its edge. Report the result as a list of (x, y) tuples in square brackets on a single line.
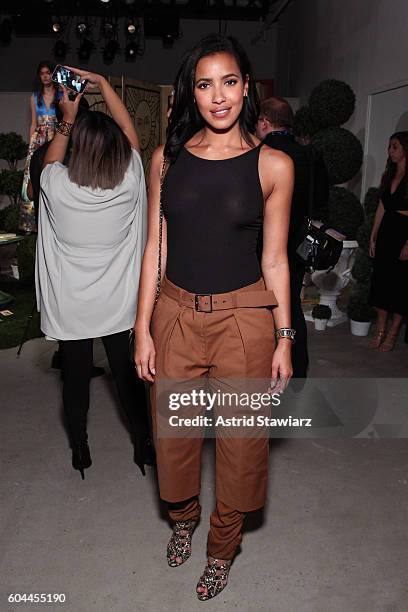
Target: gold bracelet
[(64, 128)]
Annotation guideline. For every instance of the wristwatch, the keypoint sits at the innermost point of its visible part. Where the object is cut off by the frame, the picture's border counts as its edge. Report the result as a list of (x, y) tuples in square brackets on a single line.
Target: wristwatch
[(285, 332)]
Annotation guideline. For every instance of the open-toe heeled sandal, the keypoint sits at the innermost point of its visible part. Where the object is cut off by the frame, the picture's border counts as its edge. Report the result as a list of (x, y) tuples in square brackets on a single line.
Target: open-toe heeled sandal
[(214, 579), (179, 546), (377, 339), (389, 342)]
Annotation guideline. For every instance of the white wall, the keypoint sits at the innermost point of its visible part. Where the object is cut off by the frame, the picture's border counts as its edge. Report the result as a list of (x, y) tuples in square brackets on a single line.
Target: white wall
[(363, 42), (15, 112)]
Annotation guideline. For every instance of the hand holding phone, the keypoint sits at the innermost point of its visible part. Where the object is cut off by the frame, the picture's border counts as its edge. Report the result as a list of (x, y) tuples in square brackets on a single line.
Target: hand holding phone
[(69, 106), (69, 79)]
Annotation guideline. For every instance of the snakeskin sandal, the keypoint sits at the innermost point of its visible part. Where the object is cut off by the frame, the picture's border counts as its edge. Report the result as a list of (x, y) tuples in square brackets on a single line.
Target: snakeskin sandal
[(179, 545), (214, 578)]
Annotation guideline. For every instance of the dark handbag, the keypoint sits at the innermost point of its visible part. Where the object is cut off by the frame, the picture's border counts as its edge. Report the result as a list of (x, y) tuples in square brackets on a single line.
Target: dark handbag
[(321, 246), (159, 261)]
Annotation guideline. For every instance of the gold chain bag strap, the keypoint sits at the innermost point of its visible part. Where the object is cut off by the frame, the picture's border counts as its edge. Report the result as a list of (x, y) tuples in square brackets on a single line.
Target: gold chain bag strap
[(161, 215), (159, 263)]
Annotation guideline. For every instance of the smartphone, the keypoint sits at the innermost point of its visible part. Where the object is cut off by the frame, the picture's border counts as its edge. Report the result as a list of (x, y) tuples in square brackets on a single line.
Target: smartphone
[(69, 79)]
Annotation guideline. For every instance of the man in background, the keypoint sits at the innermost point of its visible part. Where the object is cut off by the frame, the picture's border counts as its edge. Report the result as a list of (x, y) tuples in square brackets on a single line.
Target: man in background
[(275, 129)]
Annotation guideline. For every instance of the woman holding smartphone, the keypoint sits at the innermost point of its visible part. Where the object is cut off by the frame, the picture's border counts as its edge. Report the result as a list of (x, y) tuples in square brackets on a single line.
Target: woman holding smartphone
[(92, 227), (221, 193)]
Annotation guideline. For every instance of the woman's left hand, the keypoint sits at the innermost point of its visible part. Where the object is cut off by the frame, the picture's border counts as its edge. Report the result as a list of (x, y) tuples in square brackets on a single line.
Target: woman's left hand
[(69, 107), (282, 370), (404, 252)]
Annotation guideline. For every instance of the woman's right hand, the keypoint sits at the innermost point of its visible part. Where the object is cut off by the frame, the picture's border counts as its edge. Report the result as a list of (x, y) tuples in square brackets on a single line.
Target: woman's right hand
[(145, 356), (371, 248), (94, 80)]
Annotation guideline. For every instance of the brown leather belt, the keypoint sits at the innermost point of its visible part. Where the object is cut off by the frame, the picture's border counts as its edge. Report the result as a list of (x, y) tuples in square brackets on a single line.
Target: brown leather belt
[(220, 301)]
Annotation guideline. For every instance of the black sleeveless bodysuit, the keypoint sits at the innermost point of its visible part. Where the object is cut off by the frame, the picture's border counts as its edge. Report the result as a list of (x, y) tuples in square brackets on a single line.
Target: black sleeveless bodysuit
[(214, 214)]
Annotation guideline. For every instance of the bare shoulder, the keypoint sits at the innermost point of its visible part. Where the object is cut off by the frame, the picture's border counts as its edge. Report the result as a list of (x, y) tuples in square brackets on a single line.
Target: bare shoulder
[(272, 160)]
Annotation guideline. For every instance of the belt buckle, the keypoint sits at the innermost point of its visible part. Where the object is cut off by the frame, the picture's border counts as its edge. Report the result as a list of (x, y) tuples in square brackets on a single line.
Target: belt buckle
[(197, 302)]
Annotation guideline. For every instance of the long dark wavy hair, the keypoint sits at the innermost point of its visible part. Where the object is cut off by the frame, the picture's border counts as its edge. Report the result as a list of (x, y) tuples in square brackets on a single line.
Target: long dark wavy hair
[(38, 86), (185, 119), (391, 167)]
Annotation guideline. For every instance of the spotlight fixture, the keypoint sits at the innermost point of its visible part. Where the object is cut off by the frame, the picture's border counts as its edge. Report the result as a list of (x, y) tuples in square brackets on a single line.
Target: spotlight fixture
[(60, 49), (131, 51), (168, 40), (110, 50), (85, 50), (82, 28), (108, 28), (131, 28), (57, 26), (105, 1)]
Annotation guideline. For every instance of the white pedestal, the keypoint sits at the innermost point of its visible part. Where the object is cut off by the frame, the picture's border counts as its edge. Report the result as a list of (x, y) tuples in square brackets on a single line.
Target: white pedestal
[(330, 284)]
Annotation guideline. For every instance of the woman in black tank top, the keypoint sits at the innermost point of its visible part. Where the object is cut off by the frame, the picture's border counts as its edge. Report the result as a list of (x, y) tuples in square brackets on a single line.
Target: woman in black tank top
[(226, 205)]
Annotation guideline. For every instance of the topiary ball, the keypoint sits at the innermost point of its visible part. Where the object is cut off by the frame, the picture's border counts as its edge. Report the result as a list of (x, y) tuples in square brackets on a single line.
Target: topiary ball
[(371, 200), (342, 153), (303, 125), (362, 268), (331, 103), (363, 236), (358, 307), (345, 213)]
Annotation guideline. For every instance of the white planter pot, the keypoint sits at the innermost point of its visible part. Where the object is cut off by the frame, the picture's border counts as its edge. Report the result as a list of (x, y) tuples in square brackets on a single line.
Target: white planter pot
[(359, 328), (320, 324)]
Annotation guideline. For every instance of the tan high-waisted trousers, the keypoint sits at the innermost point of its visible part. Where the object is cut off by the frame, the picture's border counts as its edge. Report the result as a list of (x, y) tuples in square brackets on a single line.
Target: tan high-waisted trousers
[(234, 343)]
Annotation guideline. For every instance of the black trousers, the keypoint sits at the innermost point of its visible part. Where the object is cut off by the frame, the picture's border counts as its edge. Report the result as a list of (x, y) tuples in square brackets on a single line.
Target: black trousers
[(300, 357), (77, 362)]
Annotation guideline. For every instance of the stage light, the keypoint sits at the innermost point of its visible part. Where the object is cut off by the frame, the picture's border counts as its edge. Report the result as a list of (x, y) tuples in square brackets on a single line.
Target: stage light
[(105, 1), (57, 27), (60, 49), (81, 28), (168, 40), (131, 51), (108, 28), (131, 28), (110, 50), (85, 50)]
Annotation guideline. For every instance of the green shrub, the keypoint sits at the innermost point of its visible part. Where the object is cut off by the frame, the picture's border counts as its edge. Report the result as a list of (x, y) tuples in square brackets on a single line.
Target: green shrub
[(12, 148), (321, 311), (358, 307), (363, 236), (370, 204), (345, 213), (342, 153), (11, 182), (331, 103), (11, 218), (303, 125), (362, 267)]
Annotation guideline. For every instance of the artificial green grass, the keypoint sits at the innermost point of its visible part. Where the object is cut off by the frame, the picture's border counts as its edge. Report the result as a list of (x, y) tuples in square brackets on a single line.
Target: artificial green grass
[(12, 327)]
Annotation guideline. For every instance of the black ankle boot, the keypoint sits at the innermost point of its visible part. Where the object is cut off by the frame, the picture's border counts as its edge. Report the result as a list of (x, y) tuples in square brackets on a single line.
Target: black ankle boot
[(144, 453), (81, 457)]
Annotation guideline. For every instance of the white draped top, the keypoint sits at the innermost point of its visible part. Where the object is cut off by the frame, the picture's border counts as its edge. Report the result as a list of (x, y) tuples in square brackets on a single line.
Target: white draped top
[(89, 253)]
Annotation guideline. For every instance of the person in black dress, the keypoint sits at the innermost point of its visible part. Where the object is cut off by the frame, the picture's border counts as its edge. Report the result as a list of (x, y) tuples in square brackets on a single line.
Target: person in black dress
[(389, 246)]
